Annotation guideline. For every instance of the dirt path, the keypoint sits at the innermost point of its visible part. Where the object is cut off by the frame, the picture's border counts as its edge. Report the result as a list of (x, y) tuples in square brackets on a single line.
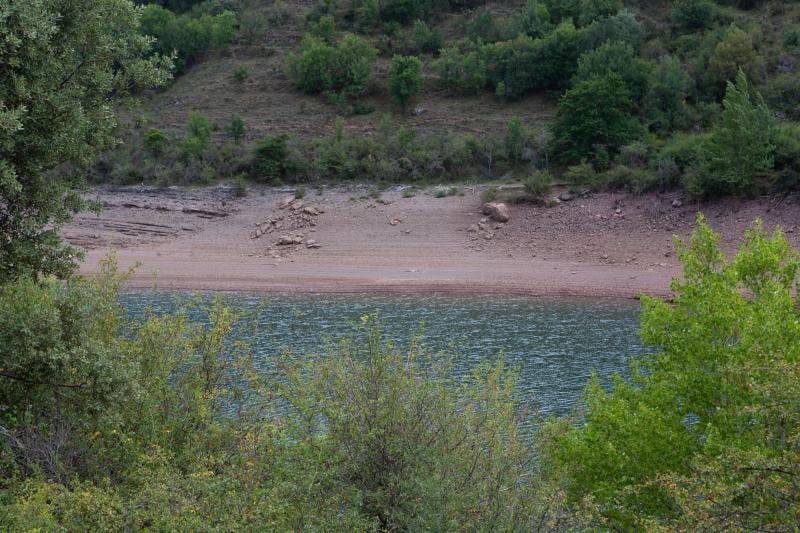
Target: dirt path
[(602, 245)]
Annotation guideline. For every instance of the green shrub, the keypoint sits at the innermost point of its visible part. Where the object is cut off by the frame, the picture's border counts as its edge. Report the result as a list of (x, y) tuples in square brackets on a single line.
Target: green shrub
[(325, 29), (538, 184), (581, 175), (733, 53), (187, 35), (198, 135), (461, 73), (252, 26), (426, 40), (693, 14), (535, 19), (270, 157), (155, 142), (345, 69), (591, 10), (240, 73), (236, 129), (405, 79), (515, 139)]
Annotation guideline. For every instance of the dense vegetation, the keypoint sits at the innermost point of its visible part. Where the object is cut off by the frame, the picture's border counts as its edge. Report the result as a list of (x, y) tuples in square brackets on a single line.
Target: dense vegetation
[(653, 96), (164, 424)]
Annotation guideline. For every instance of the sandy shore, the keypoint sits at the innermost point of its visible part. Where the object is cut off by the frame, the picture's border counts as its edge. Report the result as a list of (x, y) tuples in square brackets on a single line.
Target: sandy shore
[(603, 245)]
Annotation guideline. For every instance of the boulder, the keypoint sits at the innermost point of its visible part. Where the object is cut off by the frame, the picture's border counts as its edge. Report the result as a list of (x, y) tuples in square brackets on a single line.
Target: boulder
[(497, 211), (676, 203), (566, 196), (310, 211), (296, 205)]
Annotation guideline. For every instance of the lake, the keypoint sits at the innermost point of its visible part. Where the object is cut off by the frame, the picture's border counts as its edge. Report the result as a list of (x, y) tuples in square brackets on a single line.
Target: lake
[(556, 344)]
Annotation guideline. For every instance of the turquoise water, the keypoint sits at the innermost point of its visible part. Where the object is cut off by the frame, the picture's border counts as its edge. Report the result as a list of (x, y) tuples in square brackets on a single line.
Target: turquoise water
[(555, 344)]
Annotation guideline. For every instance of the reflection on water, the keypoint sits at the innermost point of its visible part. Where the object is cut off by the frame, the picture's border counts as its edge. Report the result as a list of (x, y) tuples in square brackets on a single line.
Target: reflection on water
[(555, 344)]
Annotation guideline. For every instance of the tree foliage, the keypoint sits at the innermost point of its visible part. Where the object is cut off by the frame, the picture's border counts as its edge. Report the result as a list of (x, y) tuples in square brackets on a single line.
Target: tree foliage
[(743, 140), (705, 436), (596, 114), (405, 79), (63, 65), (319, 67)]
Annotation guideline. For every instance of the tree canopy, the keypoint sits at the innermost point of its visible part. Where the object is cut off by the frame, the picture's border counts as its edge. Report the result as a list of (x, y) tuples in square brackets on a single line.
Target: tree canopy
[(64, 64)]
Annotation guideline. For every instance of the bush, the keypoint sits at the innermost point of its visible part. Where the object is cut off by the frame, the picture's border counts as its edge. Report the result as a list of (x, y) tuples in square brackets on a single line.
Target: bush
[(186, 35), (425, 39), (581, 175), (240, 73), (405, 79), (538, 184), (236, 129), (344, 69), (270, 157), (198, 135), (325, 29), (734, 52), (155, 142), (693, 14), (252, 26), (461, 73)]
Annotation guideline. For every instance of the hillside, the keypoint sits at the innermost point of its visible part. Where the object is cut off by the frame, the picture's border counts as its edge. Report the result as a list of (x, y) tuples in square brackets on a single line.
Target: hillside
[(492, 77)]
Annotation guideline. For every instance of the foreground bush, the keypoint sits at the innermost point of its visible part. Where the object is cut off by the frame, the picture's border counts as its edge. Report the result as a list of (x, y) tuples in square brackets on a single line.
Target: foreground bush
[(705, 436)]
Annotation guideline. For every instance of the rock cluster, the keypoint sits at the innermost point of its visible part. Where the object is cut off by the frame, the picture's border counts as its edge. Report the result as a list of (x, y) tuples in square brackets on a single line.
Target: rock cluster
[(292, 227)]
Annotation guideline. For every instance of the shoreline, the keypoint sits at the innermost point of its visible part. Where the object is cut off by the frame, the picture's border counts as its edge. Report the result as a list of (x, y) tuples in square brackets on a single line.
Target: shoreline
[(353, 240)]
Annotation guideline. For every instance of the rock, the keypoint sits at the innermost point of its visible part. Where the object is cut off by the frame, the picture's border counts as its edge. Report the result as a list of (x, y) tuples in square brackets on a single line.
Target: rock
[(296, 205), (311, 243), (287, 200), (310, 211), (618, 211), (473, 228), (489, 236), (285, 240), (394, 221), (566, 196), (418, 110), (553, 202), (497, 211), (676, 203)]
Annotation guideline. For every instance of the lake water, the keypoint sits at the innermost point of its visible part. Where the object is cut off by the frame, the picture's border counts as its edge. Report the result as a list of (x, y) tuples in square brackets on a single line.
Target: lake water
[(555, 344)]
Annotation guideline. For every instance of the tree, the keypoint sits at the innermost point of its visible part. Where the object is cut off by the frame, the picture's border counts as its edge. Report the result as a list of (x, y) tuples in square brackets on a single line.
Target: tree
[(270, 157), (733, 53), (742, 141), (319, 67), (595, 114), (461, 73), (704, 437), (236, 129), (618, 57), (693, 14), (405, 79), (665, 102), (63, 65)]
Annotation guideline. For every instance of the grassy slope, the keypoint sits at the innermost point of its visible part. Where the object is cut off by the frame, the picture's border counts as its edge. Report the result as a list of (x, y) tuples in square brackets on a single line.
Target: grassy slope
[(269, 103)]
